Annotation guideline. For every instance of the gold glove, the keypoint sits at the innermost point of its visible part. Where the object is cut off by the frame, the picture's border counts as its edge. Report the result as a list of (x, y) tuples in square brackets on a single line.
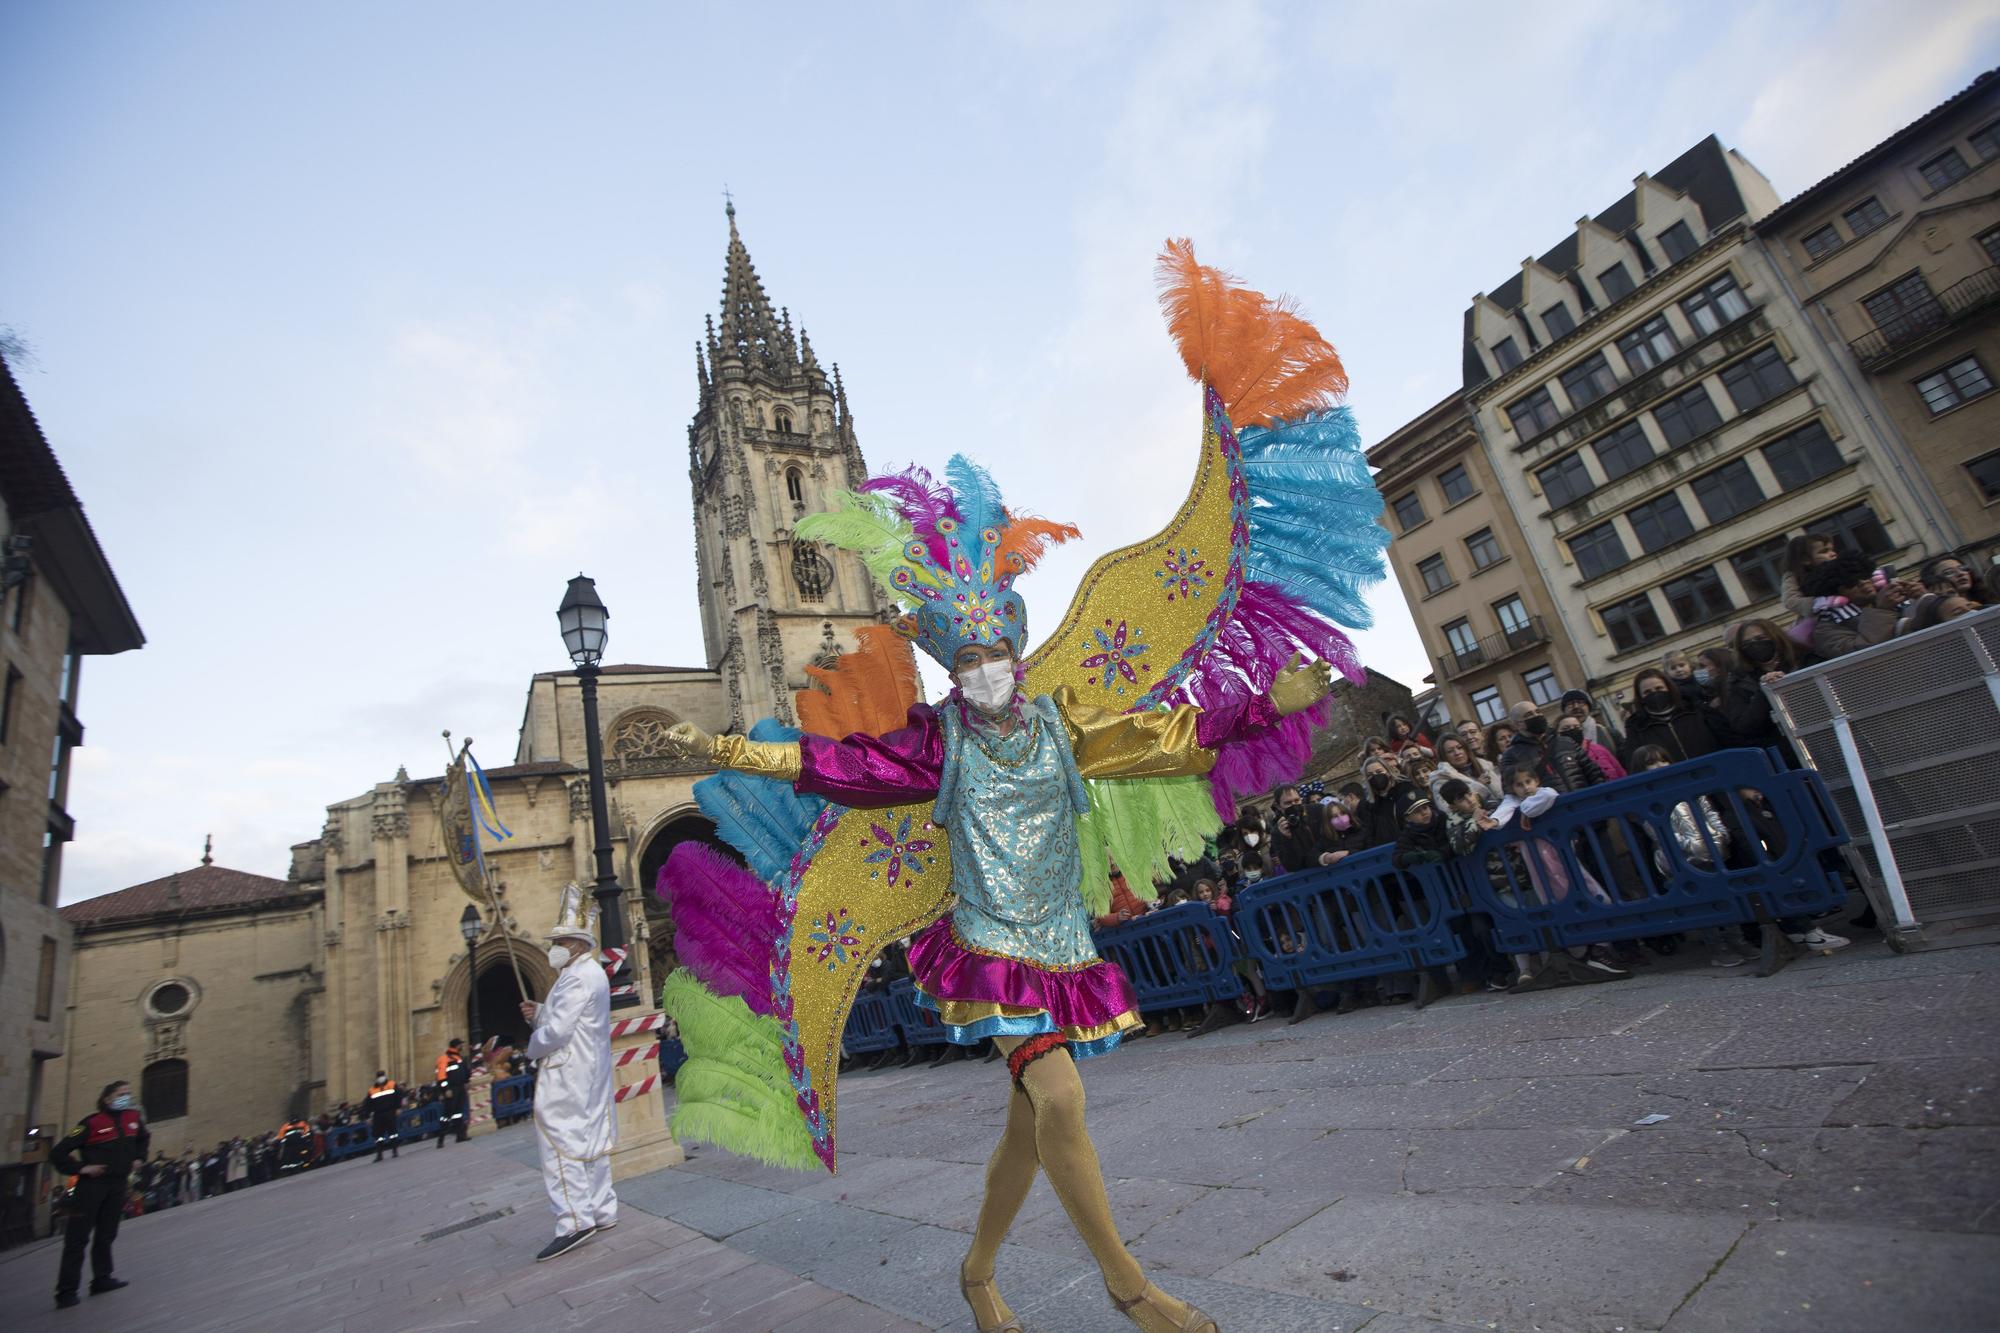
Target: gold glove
[(767, 759), (1298, 688)]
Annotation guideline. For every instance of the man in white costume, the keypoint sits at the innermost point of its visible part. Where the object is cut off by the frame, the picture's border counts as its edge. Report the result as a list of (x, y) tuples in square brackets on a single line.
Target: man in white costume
[(574, 1123)]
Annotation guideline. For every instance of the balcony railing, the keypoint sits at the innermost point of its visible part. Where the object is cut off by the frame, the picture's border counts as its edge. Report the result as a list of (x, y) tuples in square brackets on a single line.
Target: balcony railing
[(1924, 321), (1493, 648)]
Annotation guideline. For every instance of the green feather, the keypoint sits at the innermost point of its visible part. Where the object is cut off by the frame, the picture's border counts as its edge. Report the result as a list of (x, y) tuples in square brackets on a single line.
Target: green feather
[(1138, 823), (734, 1091), (871, 528)]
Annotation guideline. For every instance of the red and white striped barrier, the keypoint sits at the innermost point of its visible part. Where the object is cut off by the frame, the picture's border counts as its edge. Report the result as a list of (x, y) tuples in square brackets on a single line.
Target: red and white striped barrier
[(625, 1027), (638, 1054), (639, 1089)]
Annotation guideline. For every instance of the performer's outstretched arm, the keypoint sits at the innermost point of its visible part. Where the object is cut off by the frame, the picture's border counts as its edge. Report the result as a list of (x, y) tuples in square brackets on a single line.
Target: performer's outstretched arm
[(1179, 741), (860, 771)]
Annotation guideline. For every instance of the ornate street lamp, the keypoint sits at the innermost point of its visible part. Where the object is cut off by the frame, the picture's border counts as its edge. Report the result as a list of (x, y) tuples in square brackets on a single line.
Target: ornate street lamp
[(583, 616), (470, 927)]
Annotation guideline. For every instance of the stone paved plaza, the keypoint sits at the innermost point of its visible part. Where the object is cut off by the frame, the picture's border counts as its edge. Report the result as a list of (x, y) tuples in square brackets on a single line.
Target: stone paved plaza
[(1830, 1161)]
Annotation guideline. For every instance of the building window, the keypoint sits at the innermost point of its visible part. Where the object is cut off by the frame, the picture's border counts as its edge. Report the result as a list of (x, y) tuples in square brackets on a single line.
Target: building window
[(1464, 643), (1616, 282), (1557, 320), (1728, 491), (169, 999), (1506, 355), (1485, 549), (1698, 598), (1819, 244), (1541, 683), (21, 597), (1944, 170), (1487, 707), (1660, 522), (52, 845), (1533, 414), (1434, 574), (1757, 379), (1855, 529), (1806, 455), (1986, 142), (1565, 481), (1588, 381), (45, 982), (1959, 382), (1679, 242), (1687, 416), (1985, 472), (1624, 450), (1632, 623), (163, 1090), (1904, 308), (1720, 302), (782, 419), (811, 572), (1761, 568), (1648, 345), (1989, 241), (795, 484), (1598, 550), (1513, 616), (7, 696), (1866, 216), (1456, 483), (1409, 510)]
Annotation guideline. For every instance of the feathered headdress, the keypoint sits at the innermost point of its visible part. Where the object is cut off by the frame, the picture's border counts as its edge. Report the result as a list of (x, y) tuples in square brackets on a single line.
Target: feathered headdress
[(947, 551)]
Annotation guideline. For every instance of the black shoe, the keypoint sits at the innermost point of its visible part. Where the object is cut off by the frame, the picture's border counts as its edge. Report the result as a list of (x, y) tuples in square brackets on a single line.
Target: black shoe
[(1303, 1009), (1427, 990), (1348, 1004), (102, 1285), (562, 1245), (1218, 1015), (65, 1299)]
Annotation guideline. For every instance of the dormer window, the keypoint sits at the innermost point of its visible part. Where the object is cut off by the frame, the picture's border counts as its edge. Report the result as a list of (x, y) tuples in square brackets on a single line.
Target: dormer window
[(1679, 242), (1506, 355), (1558, 321)]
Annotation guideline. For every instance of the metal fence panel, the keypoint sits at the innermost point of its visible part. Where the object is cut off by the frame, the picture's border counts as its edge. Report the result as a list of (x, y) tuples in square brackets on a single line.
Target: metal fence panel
[(1906, 736)]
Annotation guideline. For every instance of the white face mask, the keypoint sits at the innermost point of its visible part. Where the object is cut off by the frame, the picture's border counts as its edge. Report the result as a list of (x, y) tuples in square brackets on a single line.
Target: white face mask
[(990, 685), (558, 956), (1253, 838)]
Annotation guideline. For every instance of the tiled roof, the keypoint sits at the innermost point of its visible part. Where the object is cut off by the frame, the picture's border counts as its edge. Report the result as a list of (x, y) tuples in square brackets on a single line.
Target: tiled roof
[(535, 769), (1791, 206), (633, 669), (202, 889)]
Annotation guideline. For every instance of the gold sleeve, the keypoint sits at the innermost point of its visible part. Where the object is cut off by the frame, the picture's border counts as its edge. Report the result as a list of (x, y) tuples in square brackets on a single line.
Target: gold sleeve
[(769, 759), (1157, 744)]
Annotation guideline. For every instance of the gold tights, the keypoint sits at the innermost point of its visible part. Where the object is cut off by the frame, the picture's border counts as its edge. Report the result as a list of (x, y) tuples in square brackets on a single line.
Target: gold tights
[(1045, 1129)]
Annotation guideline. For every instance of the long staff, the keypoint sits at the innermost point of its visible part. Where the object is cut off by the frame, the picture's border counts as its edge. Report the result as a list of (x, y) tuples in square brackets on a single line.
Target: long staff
[(485, 877)]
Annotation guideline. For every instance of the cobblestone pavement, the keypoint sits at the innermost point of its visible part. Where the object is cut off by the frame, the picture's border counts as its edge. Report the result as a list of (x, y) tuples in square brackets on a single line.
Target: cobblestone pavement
[(1830, 1161)]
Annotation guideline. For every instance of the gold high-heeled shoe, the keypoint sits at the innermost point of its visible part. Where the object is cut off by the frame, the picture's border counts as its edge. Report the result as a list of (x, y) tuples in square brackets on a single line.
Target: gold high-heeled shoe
[(1194, 1322), (966, 1286)]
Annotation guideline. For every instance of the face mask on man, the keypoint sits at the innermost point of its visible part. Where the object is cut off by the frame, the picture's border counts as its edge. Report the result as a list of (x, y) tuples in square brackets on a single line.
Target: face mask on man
[(1761, 651), (558, 956), (1536, 726), (989, 685), (122, 1102)]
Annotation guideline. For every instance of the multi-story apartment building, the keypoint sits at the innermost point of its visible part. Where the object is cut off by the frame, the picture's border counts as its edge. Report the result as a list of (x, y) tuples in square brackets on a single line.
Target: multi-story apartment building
[(1662, 419), (1895, 257), (59, 602), (1484, 611)]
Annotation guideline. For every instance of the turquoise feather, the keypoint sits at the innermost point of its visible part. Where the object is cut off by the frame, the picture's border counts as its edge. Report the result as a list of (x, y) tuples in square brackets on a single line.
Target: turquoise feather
[(763, 819), (1313, 508), (977, 497)]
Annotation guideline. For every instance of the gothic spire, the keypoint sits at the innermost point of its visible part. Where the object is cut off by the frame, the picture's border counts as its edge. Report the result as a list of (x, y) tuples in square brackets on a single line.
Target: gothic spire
[(750, 328)]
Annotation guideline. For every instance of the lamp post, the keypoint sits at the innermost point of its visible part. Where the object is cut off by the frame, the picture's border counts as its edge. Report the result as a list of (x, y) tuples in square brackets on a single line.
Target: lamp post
[(582, 616), (469, 928)]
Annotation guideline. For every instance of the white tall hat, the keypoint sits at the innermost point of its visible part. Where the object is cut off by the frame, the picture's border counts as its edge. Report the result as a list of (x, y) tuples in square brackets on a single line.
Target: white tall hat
[(576, 916)]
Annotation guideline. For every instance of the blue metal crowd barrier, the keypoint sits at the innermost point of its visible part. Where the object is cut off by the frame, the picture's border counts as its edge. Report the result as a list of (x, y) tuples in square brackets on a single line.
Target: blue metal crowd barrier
[(513, 1098), (1362, 917), (417, 1122), (1176, 958), (871, 1024), (1606, 864), (345, 1141), (920, 1027)]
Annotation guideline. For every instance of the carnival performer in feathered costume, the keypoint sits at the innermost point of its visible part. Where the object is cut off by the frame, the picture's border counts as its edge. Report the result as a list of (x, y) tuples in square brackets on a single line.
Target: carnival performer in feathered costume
[(985, 825)]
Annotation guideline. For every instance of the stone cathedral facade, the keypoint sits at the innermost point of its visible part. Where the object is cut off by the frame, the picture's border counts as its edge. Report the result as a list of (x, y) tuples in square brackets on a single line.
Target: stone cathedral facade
[(356, 943)]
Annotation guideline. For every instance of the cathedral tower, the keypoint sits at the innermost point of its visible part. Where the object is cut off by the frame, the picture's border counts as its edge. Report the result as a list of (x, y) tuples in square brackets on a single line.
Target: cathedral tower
[(771, 441)]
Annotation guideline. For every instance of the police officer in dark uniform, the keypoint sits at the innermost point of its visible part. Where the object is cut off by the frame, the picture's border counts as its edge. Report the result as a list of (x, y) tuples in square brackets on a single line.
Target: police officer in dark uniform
[(385, 1099), (100, 1152), (454, 1072)]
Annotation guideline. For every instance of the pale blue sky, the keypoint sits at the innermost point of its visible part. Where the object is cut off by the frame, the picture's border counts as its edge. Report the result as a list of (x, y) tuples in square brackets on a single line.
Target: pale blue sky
[(361, 327)]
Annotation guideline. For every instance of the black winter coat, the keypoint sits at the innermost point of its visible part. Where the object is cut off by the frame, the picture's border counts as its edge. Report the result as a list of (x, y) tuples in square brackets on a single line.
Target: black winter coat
[(1685, 733), (1377, 817), (1560, 764)]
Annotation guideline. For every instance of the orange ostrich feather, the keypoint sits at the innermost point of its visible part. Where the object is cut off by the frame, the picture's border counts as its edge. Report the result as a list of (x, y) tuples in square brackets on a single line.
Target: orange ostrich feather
[(1260, 354), (1030, 538), (869, 691)]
